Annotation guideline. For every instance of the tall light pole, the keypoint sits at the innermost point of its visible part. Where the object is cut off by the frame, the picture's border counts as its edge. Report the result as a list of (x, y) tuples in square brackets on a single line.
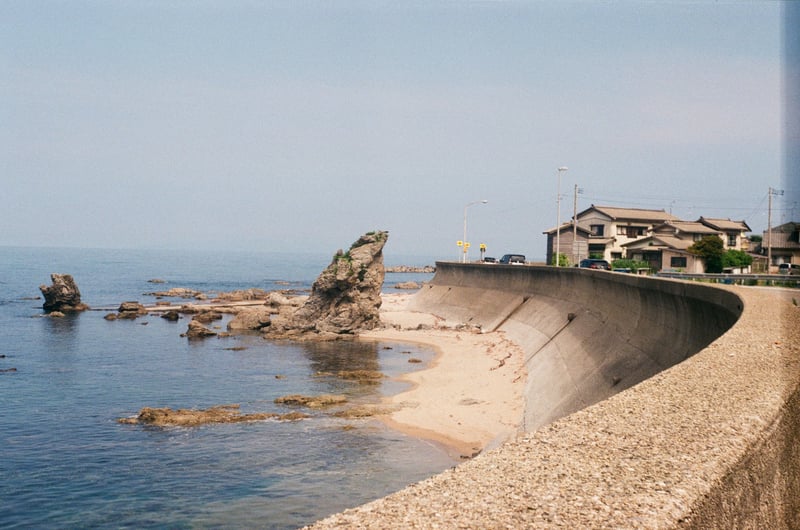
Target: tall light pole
[(464, 242), (558, 221)]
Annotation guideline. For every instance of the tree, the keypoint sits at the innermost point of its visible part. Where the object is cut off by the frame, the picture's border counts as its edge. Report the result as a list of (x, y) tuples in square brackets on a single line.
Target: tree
[(736, 258), (711, 249)]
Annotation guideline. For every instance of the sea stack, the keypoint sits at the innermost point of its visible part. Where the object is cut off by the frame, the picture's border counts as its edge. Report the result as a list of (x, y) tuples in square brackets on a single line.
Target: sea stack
[(345, 298), (63, 295)]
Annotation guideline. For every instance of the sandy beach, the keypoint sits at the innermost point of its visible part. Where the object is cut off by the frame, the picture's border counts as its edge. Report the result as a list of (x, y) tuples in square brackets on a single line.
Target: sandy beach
[(470, 397)]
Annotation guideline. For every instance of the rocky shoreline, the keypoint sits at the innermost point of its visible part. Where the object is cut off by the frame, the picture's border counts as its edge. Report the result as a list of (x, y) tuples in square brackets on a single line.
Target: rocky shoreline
[(346, 302)]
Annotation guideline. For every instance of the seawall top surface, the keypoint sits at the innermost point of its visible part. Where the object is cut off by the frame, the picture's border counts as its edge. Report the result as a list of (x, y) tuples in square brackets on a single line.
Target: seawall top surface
[(658, 455)]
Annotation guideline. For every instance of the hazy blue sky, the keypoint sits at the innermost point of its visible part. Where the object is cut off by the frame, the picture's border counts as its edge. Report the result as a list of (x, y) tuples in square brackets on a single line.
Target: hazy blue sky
[(301, 125)]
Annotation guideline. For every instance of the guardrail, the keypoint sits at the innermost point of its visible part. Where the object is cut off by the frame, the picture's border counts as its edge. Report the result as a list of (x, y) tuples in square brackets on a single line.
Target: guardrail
[(772, 280)]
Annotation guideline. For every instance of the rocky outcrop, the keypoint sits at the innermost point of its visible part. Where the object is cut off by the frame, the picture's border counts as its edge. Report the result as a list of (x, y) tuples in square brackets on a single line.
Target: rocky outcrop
[(196, 330), (207, 317), (62, 295), (258, 318), (171, 316), (242, 295), (277, 299), (127, 310), (314, 402), (253, 319), (345, 298), (164, 417), (178, 292)]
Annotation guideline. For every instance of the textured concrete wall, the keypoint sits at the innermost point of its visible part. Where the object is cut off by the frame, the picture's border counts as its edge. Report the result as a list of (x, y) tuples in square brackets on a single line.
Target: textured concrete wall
[(587, 334), (710, 441)]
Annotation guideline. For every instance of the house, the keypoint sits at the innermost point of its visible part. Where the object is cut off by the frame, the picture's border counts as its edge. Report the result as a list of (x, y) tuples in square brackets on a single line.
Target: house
[(783, 243), (733, 232), (667, 247), (572, 241), (602, 231)]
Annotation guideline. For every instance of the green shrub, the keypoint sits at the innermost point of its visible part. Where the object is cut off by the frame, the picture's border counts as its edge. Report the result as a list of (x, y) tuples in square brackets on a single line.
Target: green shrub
[(631, 264)]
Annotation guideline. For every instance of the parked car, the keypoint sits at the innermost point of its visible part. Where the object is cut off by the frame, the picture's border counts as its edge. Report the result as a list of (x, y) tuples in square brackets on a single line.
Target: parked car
[(595, 264), (792, 269), (487, 259), (513, 259)]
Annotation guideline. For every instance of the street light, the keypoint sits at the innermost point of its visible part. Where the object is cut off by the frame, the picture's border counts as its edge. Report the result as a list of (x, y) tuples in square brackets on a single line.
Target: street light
[(465, 244), (558, 221)]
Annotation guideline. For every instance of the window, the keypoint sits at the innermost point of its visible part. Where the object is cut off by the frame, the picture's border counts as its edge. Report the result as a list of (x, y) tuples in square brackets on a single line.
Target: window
[(732, 240), (630, 231), (597, 230), (597, 250), (677, 262)]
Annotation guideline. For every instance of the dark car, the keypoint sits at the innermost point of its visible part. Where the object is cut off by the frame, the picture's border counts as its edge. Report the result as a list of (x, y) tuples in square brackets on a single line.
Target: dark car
[(488, 259), (595, 264), (513, 259)]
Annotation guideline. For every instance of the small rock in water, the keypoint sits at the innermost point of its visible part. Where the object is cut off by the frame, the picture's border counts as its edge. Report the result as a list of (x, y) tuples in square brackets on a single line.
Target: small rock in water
[(197, 330)]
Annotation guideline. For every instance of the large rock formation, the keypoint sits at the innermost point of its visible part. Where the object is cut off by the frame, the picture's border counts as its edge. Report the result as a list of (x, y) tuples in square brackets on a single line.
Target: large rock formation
[(345, 298), (62, 295)]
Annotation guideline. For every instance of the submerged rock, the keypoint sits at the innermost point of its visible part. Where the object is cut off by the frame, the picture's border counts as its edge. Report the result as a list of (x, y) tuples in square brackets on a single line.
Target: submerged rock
[(166, 417), (363, 376), (345, 298), (63, 295), (323, 400)]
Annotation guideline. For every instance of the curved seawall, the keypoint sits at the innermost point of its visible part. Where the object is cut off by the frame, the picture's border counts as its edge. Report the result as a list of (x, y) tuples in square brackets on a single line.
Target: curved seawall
[(587, 334), (704, 435)]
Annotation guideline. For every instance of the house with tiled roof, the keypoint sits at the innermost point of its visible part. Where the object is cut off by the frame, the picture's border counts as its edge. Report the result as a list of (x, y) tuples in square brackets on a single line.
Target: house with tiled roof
[(667, 246), (734, 232), (783, 242), (602, 231)]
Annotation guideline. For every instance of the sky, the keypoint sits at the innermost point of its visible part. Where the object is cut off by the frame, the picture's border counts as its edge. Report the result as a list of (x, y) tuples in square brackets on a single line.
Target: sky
[(294, 126)]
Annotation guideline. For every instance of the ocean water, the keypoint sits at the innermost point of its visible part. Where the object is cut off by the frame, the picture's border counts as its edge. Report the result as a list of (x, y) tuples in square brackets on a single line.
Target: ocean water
[(65, 462)]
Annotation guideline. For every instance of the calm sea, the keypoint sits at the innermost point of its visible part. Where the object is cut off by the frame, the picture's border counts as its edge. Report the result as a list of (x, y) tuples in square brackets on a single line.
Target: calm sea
[(65, 462)]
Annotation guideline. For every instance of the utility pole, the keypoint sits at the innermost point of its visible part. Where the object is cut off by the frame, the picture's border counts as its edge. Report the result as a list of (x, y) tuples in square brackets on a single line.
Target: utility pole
[(576, 249), (772, 192), (558, 215), (769, 231)]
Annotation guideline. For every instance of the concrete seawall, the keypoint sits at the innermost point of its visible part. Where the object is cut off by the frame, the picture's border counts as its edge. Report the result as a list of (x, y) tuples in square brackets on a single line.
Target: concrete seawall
[(650, 404), (587, 334)]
